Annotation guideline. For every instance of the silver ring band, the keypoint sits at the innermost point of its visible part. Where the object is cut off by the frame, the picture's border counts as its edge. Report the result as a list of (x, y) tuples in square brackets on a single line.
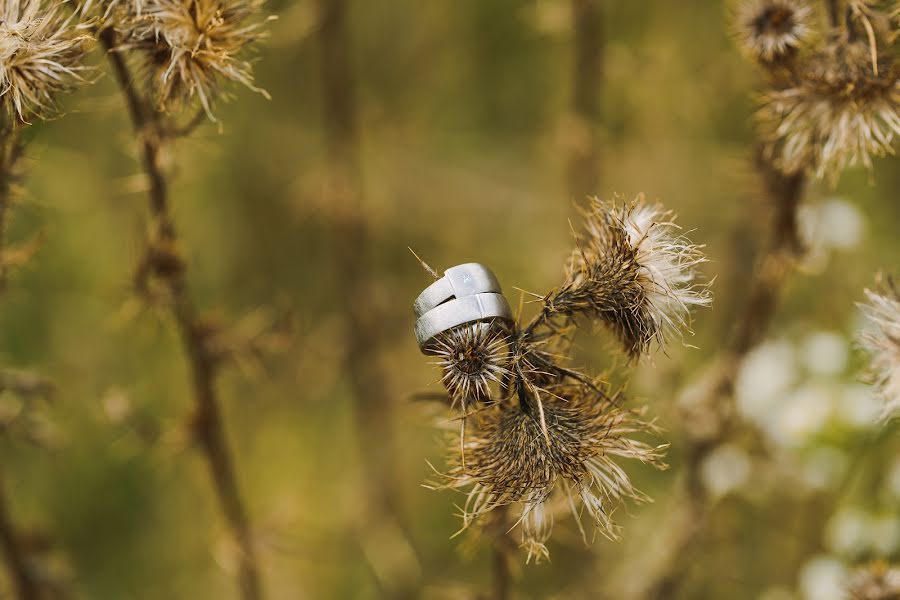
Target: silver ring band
[(459, 311), (458, 282)]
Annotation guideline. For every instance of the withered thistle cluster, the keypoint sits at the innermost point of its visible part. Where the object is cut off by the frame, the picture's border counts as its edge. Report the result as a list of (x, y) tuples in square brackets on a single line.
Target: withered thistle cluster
[(42, 49), (544, 438), (875, 582), (831, 100), (882, 342), (189, 49)]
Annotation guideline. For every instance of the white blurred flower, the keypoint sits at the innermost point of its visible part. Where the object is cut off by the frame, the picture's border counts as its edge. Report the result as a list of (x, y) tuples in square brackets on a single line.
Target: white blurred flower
[(823, 578), (858, 406), (765, 377), (832, 225), (804, 413), (824, 353), (847, 531), (841, 224), (726, 469)]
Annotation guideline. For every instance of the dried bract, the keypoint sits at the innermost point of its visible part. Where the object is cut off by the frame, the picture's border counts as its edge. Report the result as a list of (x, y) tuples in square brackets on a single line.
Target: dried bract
[(770, 31), (41, 54), (836, 113), (883, 344), (509, 459), (191, 47), (634, 272)]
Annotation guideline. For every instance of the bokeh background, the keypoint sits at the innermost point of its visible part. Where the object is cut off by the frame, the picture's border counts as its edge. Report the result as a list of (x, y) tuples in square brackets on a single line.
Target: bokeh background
[(467, 135)]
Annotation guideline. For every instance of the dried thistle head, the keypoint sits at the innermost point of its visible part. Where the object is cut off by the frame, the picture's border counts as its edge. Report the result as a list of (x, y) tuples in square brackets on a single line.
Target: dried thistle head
[(471, 358), (839, 110), (772, 31), (875, 582), (632, 271), (511, 459), (883, 344), (41, 54), (191, 48)]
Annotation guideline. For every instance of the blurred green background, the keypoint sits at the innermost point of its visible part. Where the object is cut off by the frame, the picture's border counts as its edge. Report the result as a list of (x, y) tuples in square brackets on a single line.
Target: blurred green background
[(466, 131)]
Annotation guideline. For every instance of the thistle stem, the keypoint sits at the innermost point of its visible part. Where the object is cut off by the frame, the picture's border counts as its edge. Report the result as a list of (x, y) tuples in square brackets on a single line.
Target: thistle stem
[(344, 195), (773, 271), (207, 424), (11, 148)]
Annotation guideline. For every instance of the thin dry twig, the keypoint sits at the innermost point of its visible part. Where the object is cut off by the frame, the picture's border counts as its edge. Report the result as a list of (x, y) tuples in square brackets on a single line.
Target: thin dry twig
[(207, 424)]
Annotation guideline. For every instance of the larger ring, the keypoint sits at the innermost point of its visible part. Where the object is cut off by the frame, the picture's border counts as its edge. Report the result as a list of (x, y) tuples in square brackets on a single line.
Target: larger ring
[(459, 311), (458, 282)]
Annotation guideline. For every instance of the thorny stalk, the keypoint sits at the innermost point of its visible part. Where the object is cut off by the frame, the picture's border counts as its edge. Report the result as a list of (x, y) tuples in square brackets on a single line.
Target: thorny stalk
[(343, 192), (26, 583), (774, 268), (162, 261)]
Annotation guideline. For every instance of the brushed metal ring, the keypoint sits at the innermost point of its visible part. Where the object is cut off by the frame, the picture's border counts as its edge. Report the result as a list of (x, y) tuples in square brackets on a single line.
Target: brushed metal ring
[(458, 282), (459, 311)]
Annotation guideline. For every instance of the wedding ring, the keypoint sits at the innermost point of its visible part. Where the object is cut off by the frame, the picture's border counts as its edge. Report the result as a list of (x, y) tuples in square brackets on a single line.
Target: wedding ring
[(459, 311), (458, 282)]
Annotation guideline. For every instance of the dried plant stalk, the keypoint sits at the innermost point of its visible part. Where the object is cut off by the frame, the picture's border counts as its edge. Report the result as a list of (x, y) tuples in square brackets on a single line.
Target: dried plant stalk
[(343, 194), (163, 262)]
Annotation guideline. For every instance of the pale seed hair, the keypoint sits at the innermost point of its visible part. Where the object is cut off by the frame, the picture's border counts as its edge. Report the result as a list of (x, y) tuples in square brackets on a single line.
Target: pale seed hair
[(839, 110), (772, 31), (882, 342), (634, 271), (41, 55)]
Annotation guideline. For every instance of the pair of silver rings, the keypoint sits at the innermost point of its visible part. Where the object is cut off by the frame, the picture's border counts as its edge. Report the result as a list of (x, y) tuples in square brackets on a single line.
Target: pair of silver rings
[(466, 293)]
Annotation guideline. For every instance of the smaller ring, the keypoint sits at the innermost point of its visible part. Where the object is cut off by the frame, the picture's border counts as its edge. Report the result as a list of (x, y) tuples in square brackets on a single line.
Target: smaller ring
[(479, 307), (458, 282)]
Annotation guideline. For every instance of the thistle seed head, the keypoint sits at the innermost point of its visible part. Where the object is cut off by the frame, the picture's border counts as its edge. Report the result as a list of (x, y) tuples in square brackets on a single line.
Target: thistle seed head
[(837, 112), (192, 48), (875, 582), (41, 54), (632, 271), (509, 459), (770, 31), (471, 358), (883, 345)]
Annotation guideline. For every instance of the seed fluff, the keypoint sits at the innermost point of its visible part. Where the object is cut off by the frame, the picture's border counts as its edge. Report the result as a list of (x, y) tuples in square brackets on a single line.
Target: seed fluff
[(883, 345)]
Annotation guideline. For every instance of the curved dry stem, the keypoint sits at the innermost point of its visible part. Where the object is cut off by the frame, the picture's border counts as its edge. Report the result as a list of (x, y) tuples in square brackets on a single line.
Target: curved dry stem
[(207, 424)]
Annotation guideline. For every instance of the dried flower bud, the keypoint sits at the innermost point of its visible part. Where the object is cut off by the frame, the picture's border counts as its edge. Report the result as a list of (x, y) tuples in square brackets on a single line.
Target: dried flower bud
[(632, 271), (509, 459), (191, 47), (471, 357), (770, 31), (837, 112), (875, 582), (41, 53), (883, 344)]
